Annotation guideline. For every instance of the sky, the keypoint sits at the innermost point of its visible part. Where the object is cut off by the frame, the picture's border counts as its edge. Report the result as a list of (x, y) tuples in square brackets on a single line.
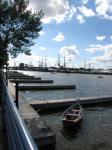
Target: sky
[(78, 30)]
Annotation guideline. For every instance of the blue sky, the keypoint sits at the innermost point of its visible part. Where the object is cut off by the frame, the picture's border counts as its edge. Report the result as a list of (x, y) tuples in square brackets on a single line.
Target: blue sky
[(79, 30)]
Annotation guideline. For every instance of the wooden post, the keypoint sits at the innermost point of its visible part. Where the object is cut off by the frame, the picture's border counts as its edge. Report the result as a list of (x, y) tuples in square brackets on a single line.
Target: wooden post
[(16, 95)]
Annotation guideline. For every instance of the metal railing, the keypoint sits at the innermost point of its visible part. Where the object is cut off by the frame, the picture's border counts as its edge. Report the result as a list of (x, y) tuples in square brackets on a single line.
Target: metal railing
[(18, 135)]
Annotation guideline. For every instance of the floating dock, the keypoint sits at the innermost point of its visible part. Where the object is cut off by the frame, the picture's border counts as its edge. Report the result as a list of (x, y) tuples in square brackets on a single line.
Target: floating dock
[(45, 87), (24, 77), (63, 103), (30, 81)]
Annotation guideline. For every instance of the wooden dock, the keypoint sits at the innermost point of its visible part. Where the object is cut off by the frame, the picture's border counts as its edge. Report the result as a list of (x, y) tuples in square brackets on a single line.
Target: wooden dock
[(63, 103), (45, 87), (24, 77), (30, 81)]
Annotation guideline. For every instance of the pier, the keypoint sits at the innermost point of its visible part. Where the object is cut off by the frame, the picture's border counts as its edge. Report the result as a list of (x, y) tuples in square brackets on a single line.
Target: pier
[(31, 81), (24, 77), (40, 131), (45, 87), (63, 103)]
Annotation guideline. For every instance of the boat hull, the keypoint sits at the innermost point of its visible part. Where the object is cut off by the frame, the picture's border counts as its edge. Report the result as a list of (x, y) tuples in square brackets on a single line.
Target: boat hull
[(67, 123), (73, 115)]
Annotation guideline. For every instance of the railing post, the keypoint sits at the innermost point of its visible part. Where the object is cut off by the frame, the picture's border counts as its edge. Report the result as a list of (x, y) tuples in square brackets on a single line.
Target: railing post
[(16, 95)]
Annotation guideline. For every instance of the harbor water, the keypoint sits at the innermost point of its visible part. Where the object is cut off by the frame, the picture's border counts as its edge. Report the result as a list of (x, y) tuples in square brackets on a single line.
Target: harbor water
[(95, 131)]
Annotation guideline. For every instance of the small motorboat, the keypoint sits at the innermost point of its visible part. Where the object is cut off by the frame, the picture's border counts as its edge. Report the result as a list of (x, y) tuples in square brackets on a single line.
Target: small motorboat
[(100, 76), (73, 115)]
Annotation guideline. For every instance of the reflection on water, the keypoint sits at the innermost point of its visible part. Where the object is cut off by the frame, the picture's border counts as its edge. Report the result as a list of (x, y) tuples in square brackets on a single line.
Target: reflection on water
[(94, 133), (71, 133)]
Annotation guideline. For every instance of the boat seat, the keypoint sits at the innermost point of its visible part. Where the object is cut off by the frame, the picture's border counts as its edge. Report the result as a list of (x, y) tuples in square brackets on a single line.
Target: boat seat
[(71, 116)]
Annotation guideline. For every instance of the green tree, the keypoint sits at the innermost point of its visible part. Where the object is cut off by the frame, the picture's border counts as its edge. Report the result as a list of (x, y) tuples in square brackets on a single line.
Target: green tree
[(18, 28)]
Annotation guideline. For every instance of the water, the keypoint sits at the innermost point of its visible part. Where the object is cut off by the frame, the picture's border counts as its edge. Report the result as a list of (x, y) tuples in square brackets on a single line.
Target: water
[(86, 86), (95, 131)]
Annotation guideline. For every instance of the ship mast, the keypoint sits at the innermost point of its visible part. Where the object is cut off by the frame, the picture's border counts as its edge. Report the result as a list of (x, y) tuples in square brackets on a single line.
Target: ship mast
[(58, 61), (64, 65)]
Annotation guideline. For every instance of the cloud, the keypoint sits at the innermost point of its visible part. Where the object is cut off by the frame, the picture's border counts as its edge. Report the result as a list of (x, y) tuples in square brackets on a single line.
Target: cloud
[(41, 32), (87, 12), (80, 18), (107, 57), (69, 51), (83, 12), (111, 37), (85, 1), (98, 47), (54, 10), (104, 8), (60, 37), (42, 48), (61, 10), (71, 12), (100, 38)]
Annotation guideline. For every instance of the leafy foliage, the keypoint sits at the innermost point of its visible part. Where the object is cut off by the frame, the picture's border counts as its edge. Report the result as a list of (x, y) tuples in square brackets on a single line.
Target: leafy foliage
[(18, 27)]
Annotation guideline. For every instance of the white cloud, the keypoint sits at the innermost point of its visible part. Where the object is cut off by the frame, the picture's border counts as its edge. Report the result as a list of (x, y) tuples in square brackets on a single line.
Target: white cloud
[(41, 32), (85, 1), (94, 48), (80, 18), (111, 37), (54, 10), (100, 38), (69, 51), (71, 12), (42, 48), (59, 37), (61, 10), (106, 58), (87, 12), (104, 8)]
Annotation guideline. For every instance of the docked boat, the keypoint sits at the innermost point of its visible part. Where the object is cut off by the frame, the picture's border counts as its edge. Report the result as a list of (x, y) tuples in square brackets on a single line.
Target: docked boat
[(73, 115), (100, 76)]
